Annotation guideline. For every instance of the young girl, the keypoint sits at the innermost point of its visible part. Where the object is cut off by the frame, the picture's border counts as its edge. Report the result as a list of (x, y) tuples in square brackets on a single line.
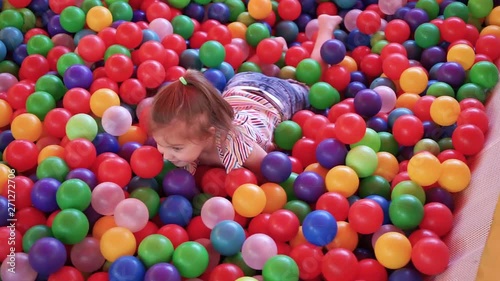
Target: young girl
[(193, 124)]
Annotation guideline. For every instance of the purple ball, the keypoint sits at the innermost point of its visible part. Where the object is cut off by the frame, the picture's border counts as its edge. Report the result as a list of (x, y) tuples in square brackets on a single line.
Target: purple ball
[(333, 51), (452, 73), (276, 167), (219, 11), (440, 195), (127, 149), (92, 215), (331, 153), (195, 11), (43, 195), (416, 17), (47, 255), (180, 182), (105, 142), (378, 124), (367, 103), (406, 274), (54, 26), (139, 15), (431, 56), (78, 76), (85, 175), (5, 138), (117, 23), (353, 88), (309, 186), (4, 214), (162, 272)]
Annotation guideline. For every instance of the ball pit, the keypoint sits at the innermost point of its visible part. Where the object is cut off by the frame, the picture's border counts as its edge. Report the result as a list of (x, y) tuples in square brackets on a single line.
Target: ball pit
[(362, 185)]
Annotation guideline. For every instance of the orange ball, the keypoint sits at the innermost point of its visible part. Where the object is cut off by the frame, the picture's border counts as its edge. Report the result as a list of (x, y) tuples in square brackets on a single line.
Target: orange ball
[(346, 237), (388, 166), (349, 63), (5, 113), (49, 151), (275, 197), (102, 225), (317, 168), (98, 18), (490, 30), (134, 134), (26, 126), (260, 9), (407, 100), (237, 29), (249, 200), (299, 239)]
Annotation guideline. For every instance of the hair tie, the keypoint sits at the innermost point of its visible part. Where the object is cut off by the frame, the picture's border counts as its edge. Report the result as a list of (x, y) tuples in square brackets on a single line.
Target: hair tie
[(183, 81)]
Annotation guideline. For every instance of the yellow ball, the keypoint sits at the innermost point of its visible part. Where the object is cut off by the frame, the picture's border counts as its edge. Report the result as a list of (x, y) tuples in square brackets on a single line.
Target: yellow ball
[(5, 113), (26, 126), (413, 80), (424, 168), (247, 278), (490, 30), (342, 179), (5, 174), (249, 200), (388, 165), (117, 242), (494, 17), (393, 250), (462, 54), (103, 99), (260, 9), (455, 175), (445, 110), (98, 18)]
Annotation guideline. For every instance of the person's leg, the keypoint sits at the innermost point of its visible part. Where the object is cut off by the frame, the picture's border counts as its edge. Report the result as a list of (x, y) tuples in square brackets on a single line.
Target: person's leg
[(326, 25)]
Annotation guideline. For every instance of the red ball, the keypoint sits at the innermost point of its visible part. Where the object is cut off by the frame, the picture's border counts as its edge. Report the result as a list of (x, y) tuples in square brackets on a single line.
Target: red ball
[(422, 108), (326, 132), (237, 177), (393, 48), (334, 203), (420, 234), (313, 124), (430, 256), (453, 29), (157, 10), (296, 165), (152, 50), (308, 258), (393, 65), (359, 53), (401, 176), (408, 130), (337, 76), (108, 36), (57, 6), (474, 116), (301, 116), (103, 83), (32, 32), (371, 270), (33, 67), (55, 53), (174, 73), (19, 93), (220, 33), (259, 224), (150, 229), (131, 91), (5, 237), (365, 216), (338, 110), (196, 229), (296, 54), (213, 182), (151, 74), (99, 276), (438, 218), (23, 185), (129, 34), (269, 50), (76, 100), (451, 154), (226, 271), (328, 8), (283, 225), (119, 67), (208, 24), (471, 33), (29, 217), (197, 39), (368, 22), (305, 151), (55, 122), (175, 233), (114, 169), (234, 55), (66, 273), (371, 65), (471, 102), (171, 59), (468, 139), (91, 48), (340, 264), (79, 153), (146, 162), (397, 31), (289, 9), (350, 128), (21, 155), (174, 42)]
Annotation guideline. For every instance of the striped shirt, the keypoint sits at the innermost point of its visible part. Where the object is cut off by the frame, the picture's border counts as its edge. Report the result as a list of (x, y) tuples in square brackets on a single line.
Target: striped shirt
[(254, 121)]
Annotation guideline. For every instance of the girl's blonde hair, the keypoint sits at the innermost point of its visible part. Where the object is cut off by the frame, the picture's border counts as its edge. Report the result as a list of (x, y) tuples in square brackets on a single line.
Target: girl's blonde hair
[(194, 101)]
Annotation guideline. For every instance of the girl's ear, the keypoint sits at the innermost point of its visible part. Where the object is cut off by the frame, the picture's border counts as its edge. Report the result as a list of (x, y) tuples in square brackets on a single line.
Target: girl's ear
[(212, 130)]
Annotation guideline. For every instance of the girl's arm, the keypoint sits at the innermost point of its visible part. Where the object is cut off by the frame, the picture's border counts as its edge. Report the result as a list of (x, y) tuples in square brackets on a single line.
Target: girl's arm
[(254, 161)]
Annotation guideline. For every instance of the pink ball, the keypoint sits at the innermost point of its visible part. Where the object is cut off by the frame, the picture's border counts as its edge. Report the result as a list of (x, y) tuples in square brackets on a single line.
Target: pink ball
[(257, 249), (242, 45), (389, 7), (132, 214), (105, 198), (17, 268), (64, 40), (145, 103), (350, 19), (86, 256), (7, 80), (116, 120), (388, 97), (311, 28), (215, 210), (162, 27)]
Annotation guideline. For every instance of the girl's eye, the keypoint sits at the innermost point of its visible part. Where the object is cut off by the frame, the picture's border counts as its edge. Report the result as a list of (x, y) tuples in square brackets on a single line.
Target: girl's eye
[(177, 148)]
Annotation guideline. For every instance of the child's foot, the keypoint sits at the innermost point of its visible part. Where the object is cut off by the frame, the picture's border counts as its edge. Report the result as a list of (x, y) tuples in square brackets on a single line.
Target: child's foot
[(326, 25), (327, 22)]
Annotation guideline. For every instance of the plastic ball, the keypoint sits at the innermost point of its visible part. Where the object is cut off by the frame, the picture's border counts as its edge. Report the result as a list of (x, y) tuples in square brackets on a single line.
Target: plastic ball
[(413, 80), (424, 168), (117, 242), (155, 249), (127, 267), (191, 259), (227, 237), (26, 126), (98, 18), (216, 210), (276, 167), (73, 232), (340, 264), (319, 227), (245, 194), (46, 262), (162, 271), (259, 9), (81, 126), (212, 53), (430, 256), (131, 213), (86, 255), (406, 211), (483, 74), (350, 128), (455, 175), (360, 221), (322, 95), (393, 250), (23, 268), (257, 249)]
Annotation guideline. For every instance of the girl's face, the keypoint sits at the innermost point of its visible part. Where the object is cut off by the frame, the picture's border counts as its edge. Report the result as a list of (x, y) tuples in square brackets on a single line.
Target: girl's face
[(178, 149)]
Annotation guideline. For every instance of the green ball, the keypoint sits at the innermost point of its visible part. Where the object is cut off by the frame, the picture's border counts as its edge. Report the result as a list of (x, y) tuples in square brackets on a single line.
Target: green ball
[(154, 249), (300, 208), (249, 67), (72, 19), (288, 186), (245, 19), (406, 212), (322, 95), (202, 2), (308, 71), (70, 226), (121, 10), (33, 234), (287, 72), (370, 139), (409, 187), (183, 25), (280, 268), (212, 53), (149, 197), (374, 185), (388, 143), (377, 47), (11, 18), (363, 160), (438, 89), (427, 35), (471, 90), (109, 2), (445, 143), (40, 103), (236, 7), (484, 74), (456, 9), (431, 7), (191, 259), (198, 201), (238, 261), (286, 134), (480, 8), (179, 4), (426, 144), (67, 60), (29, 19), (116, 49), (51, 84), (81, 125), (89, 4), (73, 194), (8, 66), (376, 37), (52, 167), (255, 33)]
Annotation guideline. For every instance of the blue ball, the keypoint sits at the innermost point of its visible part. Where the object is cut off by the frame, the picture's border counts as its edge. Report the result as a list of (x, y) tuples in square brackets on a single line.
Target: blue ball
[(358, 76), (11, 37), (383, 81), (412, 49), (127, 149), (309, 186), (138, 182), (20, 53), (139, 15), (288, 30), (333, 51), (78, 76), (227, 70), (83, 174), (5, 138), (127, 268), (38, 7), (218, 11), (43, 195), (3, 51), (302, 21), (341, 35), (331, 153), (105, 142), (353, 88), (47, 255), (195, 11), (150, 35), (319, 228), (190, 58), (176, 209), (384, 204), (356, 38), (396, 113), (216, 77), (82, 33), (227, 237), (276, 167), (378, 124)]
